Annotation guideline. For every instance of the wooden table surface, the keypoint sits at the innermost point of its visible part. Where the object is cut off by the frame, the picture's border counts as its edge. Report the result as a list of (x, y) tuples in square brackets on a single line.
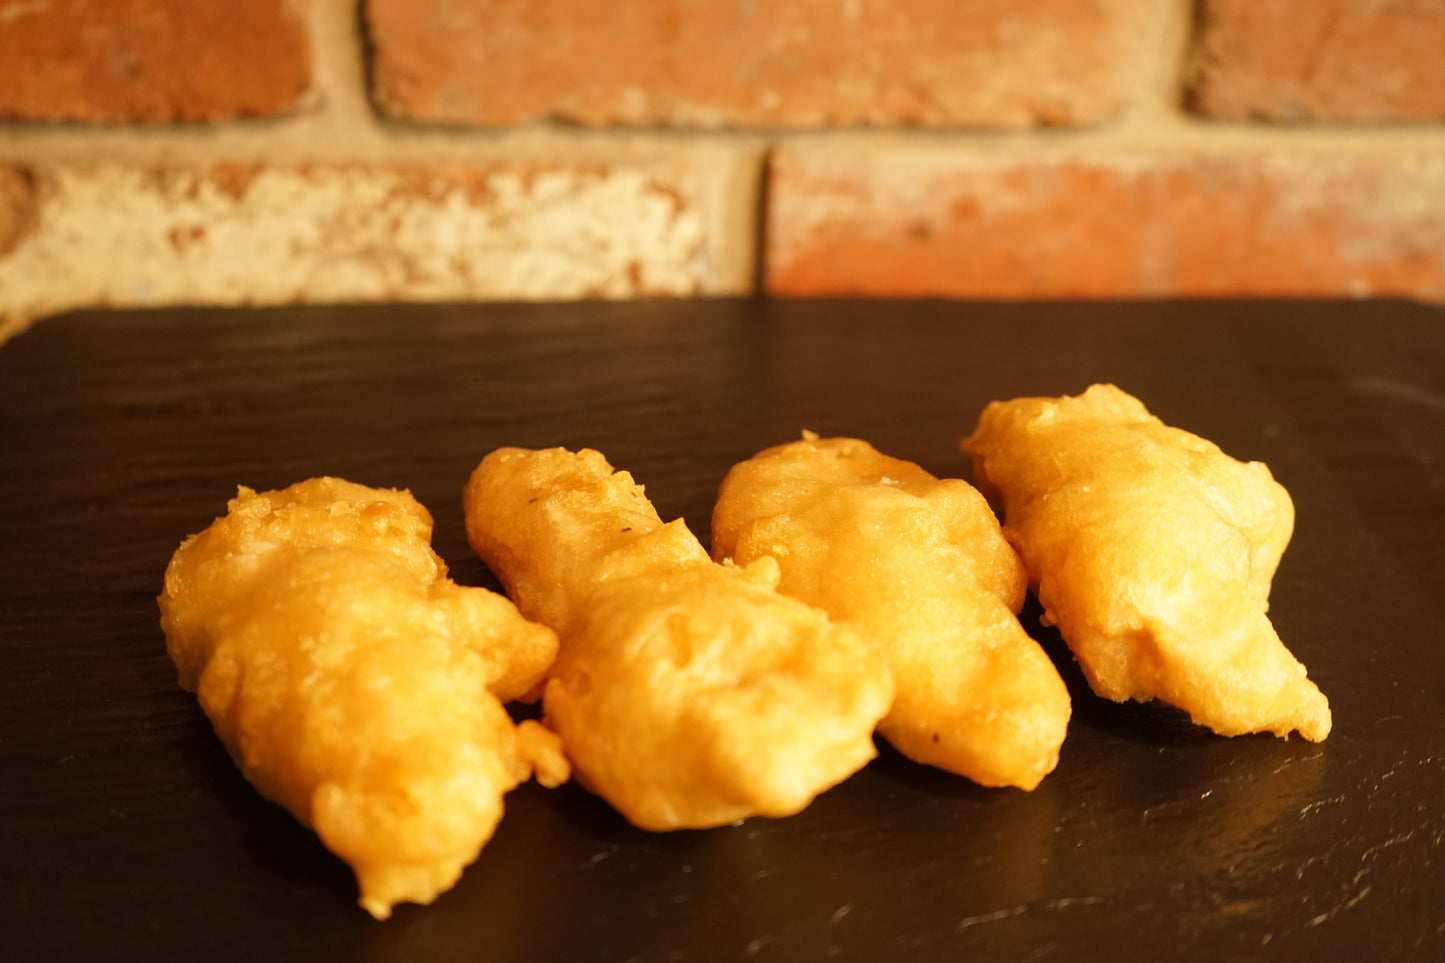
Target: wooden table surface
[(126, 833)]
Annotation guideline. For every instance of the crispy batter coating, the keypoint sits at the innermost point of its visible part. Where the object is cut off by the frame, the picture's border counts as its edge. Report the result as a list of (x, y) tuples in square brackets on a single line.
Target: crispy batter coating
[(687, 694), (354, 683), (921, 566), (1153, 552)]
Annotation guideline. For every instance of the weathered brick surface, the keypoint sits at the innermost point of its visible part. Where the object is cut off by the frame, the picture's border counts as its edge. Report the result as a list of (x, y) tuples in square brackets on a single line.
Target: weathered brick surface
[(237, 234), (17, 207), (935, 224), (1329, 60), (151, 61), (794, 63)]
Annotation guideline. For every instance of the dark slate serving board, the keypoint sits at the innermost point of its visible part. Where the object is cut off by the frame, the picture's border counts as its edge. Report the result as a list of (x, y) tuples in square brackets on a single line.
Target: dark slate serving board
[(126, 833)]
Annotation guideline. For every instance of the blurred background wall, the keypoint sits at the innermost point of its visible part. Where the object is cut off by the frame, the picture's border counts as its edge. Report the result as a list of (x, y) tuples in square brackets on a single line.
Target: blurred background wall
[(285, 151)]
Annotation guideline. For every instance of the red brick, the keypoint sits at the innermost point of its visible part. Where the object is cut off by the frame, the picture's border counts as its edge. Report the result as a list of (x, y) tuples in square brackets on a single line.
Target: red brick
[(17, 207), (151, 61), (797, 63), (888, 224), (1329, 60)]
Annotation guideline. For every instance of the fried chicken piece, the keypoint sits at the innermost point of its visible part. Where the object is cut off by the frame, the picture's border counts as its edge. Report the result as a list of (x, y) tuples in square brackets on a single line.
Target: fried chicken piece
[(687, 694), (1153, 552), (920, 566), (354, 683)]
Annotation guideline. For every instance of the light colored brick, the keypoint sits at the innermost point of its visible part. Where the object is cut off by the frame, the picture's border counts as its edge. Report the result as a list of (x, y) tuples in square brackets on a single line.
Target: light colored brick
[(1321, 60), (234, 234), (930, 223), (17, 207), (151, 61), (768, 63)]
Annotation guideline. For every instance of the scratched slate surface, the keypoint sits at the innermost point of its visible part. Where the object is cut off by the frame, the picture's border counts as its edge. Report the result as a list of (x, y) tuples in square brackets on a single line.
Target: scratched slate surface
[(126, 833)]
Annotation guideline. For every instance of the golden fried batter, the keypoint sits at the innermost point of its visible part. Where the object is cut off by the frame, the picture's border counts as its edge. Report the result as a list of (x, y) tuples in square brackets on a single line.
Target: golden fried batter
[(687, 694), (354, 683), (919, 565), (1153, 552)]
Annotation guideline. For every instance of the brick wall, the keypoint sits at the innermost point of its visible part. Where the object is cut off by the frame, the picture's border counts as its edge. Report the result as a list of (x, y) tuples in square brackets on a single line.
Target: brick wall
[(281, 151)]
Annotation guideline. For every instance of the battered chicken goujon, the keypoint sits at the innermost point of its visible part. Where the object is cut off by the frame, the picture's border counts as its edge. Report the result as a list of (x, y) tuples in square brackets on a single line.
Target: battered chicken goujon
[(354, 683), (1153, 552), (918, 564), (686, 693)]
